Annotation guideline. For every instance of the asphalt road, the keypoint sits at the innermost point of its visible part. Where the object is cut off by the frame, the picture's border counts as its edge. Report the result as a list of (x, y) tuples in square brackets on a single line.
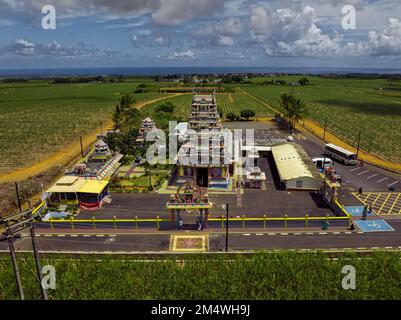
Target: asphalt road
[(247, 239)]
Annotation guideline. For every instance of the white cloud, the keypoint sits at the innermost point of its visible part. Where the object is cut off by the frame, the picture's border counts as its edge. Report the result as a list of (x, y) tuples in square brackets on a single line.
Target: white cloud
[(388, 41), (53, 49), (226, 41), (180, 55), (189, 54), (289, 32), (167, 12)]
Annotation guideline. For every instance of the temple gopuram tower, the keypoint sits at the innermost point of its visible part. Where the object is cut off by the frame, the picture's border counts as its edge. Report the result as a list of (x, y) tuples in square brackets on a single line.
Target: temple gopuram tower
[(202, 159)]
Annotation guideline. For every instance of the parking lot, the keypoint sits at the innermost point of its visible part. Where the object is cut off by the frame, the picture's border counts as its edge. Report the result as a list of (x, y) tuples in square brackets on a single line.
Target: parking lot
[(367, 177)]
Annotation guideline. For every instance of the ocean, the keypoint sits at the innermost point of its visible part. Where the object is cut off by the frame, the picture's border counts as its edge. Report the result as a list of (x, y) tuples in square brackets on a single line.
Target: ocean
[(149, 71)]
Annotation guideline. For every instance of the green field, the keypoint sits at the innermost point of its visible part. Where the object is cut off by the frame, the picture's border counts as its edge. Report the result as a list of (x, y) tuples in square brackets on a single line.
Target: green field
[(37, 118), (286, 275), (349, 105), (233, 102)]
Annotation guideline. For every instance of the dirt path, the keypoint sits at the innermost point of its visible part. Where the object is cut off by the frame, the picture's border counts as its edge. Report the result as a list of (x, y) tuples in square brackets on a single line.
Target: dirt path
[(68, 153), (230, 98), (318, 131)]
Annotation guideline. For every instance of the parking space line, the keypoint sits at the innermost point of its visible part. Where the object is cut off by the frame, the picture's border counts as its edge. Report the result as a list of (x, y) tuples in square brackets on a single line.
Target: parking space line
[(363, 172), (392, 184), (352, 170), (373, 175), (385, 178)]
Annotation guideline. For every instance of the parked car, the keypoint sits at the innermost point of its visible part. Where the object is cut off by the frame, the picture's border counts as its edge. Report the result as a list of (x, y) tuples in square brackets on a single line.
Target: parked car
[(319, 162)]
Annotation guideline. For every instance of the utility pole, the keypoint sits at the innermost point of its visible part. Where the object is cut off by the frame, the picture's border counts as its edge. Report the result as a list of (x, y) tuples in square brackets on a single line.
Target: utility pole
[(37, 261), (226, 227), (18, 198), (13, 225), (15, 266), (359, 140), (82, 147), (325, 126)]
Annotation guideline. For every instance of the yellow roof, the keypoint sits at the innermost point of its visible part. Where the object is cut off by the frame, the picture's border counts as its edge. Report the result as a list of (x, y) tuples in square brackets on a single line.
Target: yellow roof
[(74, 184), (288, 162), (67, 184), (93, 186)]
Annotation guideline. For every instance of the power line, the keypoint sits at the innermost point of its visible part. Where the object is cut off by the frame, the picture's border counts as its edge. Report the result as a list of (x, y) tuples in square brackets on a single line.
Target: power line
[(13, 225)]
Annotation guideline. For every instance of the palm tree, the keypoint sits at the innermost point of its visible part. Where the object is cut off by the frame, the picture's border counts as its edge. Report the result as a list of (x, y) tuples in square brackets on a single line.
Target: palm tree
[(293, 109)]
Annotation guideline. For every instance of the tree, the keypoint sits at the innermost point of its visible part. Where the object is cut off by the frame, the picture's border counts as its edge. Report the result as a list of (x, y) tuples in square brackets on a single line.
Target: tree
[(166, 107), (293, 109), (247, 113), (303, 81), (231, 116)]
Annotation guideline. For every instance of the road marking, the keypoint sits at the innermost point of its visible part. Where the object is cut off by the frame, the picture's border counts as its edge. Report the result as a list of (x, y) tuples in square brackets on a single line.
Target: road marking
[(73, 235), (297, 233), (48, 235), (336, 232), (363, 172), (322, 232), (388, 247), (309, 233), (246, 234), (361, 248), (395, 201), (100, 235), (392, 184), (112, 235), (373, 175), (284, 234), (86, 235), (354, 169), (271, 234), (385, 178), (348, 232), (61, 235), (375, 248), (259, 234)]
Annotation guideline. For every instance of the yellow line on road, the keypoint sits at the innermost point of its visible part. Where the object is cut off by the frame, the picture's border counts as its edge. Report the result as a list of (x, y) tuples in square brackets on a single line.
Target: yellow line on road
[(381, 208), (395, 202), (377, 198)]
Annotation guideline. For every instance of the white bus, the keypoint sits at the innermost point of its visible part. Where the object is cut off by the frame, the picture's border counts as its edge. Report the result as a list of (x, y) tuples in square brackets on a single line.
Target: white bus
[(341, 154)]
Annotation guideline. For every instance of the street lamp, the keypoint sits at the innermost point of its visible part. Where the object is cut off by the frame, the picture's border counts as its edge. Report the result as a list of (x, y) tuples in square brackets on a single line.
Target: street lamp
[(225, 207)]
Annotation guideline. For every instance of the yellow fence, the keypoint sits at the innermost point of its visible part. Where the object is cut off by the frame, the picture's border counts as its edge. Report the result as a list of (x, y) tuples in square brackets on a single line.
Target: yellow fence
[(135, 222)]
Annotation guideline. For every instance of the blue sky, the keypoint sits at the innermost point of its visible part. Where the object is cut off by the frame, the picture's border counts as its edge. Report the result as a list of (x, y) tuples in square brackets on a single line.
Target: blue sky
[(107, 33)]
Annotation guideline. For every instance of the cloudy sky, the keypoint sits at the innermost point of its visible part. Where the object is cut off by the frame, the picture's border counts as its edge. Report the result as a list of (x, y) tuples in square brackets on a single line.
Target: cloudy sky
[(279, 33)]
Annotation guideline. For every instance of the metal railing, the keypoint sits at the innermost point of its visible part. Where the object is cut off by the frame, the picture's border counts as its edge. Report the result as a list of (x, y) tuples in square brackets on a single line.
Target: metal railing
[(243, 221)]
